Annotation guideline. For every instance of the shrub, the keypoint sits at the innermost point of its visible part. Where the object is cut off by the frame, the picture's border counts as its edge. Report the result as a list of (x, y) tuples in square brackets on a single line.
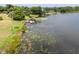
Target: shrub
[(18, 16), (1, 18)]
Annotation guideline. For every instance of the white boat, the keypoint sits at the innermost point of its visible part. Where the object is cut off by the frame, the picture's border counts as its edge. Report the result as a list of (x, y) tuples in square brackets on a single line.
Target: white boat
[(30, 21)]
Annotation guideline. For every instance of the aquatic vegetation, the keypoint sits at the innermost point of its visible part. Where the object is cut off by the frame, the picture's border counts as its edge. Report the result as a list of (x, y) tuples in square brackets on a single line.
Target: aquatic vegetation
[(43, 43), (39, 43)]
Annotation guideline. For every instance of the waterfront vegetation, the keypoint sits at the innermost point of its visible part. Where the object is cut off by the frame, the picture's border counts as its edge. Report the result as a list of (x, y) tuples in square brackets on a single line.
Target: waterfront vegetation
[(12, 19)]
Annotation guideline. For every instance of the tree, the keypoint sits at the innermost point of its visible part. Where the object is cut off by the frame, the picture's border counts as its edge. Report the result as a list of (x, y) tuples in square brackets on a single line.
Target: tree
[(76, 8), (18, 16), (37, 10), (9, 8), (26, 11), (1, 9)]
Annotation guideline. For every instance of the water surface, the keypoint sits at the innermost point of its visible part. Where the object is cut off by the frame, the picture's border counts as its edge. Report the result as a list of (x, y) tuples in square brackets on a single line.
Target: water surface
[(65, 28)]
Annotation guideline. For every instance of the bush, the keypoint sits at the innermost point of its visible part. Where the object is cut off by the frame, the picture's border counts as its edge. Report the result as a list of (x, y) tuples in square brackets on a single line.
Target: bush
[(1, 18), (18, 16)]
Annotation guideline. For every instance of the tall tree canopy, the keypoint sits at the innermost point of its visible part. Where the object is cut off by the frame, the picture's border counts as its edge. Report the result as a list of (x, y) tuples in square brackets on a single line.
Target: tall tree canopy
[(37, 10)]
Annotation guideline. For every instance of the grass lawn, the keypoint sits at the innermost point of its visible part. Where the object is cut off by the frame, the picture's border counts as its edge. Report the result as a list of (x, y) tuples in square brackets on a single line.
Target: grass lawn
[(36, 17)]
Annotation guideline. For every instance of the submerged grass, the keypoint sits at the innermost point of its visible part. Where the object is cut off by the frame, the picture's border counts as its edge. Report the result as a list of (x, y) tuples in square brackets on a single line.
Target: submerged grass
[(43, 43), (39, 43)]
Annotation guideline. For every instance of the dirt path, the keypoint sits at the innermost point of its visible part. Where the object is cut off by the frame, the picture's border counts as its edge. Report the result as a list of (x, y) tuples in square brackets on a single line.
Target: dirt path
[(5, 26)]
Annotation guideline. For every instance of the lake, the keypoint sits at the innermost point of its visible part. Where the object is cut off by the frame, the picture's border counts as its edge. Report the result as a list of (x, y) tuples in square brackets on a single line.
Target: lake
[(65, 28)]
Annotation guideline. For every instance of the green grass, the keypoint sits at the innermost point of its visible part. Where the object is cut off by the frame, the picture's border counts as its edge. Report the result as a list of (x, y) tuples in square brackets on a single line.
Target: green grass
[(36, 17), (10, 33), (13, 40), (33, 16)]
